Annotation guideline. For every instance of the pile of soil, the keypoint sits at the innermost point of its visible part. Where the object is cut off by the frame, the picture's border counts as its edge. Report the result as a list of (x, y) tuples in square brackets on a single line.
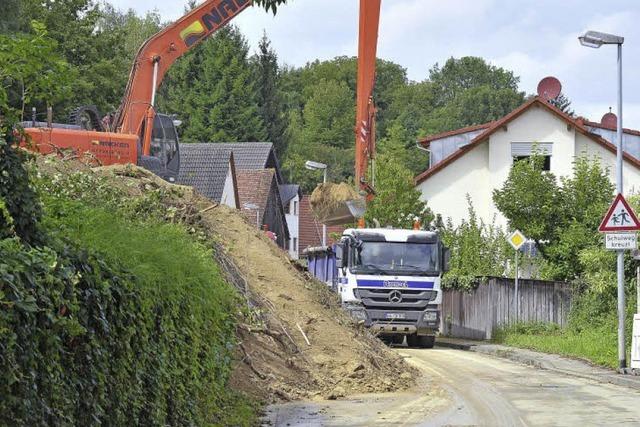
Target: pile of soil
[(294, 340), (329, 202)]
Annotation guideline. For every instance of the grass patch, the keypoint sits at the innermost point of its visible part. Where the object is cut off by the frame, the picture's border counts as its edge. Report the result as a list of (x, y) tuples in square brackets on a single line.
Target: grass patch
[(597, 345), (188, 312)]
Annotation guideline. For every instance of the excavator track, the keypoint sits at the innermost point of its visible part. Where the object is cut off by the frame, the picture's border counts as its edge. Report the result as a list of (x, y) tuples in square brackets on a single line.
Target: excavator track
[(87, 117)]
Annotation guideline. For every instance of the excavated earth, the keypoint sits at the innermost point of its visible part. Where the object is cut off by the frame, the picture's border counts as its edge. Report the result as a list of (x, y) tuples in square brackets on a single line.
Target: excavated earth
[(294, 340)]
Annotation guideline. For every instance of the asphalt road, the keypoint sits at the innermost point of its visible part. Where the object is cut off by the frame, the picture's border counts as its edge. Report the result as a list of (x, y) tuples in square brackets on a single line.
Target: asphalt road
[(467, 388)]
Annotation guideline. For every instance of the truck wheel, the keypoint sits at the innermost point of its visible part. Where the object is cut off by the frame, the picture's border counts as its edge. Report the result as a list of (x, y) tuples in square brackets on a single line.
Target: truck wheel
[(421, 341)]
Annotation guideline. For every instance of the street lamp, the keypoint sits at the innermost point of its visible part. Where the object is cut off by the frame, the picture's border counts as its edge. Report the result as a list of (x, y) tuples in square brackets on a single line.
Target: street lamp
[(316, 166), (595, 39)]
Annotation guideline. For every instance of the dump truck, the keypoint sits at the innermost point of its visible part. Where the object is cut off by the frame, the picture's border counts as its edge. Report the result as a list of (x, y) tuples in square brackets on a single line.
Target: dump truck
[(387, 279)]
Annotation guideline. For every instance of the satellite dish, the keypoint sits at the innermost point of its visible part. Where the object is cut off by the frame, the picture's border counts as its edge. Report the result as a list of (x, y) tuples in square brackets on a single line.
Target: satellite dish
[(549, 88), (609, 120)]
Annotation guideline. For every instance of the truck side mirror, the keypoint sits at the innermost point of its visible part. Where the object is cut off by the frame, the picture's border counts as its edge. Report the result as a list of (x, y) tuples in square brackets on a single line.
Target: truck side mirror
[(342, 255), (446, 257)]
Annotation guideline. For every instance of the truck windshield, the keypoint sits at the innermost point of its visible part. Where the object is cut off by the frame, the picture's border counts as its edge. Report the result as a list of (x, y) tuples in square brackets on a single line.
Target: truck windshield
[(396, 258)]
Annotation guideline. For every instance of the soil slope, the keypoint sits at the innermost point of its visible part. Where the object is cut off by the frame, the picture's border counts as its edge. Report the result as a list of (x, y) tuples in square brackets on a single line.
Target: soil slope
[(285, 307)]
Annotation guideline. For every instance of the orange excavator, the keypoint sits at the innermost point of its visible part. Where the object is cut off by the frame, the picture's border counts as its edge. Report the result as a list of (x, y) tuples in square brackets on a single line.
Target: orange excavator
[(137, 134)]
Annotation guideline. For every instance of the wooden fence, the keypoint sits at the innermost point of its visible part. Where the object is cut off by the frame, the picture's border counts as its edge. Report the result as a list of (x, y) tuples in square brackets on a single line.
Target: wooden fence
[(476, 314)]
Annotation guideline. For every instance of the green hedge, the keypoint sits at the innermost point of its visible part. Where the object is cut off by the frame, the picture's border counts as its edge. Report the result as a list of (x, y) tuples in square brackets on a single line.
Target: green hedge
[(106, 320)]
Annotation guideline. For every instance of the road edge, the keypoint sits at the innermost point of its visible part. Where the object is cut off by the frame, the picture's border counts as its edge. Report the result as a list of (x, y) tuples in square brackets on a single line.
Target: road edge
[(539, 360)]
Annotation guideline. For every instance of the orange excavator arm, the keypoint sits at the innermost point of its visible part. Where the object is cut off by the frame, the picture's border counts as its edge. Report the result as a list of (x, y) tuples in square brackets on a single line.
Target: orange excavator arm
[(158, 53), (365, 110)]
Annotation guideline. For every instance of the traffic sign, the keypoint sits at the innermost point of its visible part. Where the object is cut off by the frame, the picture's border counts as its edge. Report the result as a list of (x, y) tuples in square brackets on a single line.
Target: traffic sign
[(516, 239), (619, 217), (621, 241)]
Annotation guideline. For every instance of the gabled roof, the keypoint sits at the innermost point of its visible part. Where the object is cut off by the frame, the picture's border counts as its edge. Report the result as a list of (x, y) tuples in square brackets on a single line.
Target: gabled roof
[(499, 124), (206, 167), (288, 192), (253, 156)]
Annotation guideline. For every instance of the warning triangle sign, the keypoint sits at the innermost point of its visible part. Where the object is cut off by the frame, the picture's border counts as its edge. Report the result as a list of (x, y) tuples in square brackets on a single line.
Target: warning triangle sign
[(619, 217)]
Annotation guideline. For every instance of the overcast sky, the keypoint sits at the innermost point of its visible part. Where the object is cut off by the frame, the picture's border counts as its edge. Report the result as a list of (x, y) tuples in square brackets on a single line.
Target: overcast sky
[(534, 38)]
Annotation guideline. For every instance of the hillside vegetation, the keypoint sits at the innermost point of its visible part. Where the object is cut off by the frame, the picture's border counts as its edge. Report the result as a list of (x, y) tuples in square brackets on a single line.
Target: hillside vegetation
[(109, 315)]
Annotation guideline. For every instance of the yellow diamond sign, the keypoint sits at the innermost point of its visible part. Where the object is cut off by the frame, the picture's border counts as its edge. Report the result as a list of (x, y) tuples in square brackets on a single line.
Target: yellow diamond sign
[(517, 239)]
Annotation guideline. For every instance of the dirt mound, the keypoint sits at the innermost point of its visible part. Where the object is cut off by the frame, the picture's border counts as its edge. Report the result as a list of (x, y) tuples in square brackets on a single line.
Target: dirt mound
[(295, 341), (334, 204)]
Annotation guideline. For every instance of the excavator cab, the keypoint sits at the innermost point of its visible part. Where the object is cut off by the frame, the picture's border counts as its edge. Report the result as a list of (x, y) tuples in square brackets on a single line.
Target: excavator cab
[(164, 155)]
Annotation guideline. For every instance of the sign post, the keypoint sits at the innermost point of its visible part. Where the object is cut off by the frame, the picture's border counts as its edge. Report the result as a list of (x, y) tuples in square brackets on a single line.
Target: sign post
[(516, 240), (622, 223)]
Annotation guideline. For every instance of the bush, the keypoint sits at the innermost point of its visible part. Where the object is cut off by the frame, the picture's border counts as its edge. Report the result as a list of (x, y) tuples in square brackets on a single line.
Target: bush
[(477, 250), (105, 319)]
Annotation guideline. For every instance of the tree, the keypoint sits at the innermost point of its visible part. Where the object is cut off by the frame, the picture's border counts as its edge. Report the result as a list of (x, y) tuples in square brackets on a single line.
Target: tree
[(530, 200), (584, 198), (212, 88), (477, 249), (322, 132), (397, 202), (31, 72), (269, 94), (458, 75), (563, 104)]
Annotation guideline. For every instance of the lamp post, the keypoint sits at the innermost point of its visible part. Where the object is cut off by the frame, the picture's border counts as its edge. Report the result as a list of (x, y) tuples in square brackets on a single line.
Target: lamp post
[(595, 39), (315, 166)]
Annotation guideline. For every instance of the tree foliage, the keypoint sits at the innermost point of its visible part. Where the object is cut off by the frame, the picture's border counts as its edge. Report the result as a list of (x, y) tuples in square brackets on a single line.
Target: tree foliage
[(477, 250), (397, 202), (562, 218), (530, 199), (213, 91), (269, 94)]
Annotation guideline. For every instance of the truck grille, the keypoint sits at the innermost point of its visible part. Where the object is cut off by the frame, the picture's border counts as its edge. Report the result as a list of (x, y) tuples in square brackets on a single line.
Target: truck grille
[(396, 299)]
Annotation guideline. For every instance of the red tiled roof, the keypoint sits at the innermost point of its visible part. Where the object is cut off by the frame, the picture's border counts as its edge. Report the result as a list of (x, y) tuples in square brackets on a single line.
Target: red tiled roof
[(310, 230), (428, 139), (537, 101)]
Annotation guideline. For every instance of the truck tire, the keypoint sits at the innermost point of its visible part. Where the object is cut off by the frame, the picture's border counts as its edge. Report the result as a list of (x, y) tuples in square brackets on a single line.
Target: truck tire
[(421, 341)]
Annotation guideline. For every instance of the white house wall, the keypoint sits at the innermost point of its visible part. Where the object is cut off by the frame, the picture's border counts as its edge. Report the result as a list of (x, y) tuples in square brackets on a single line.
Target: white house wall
[(630, 174), (445, 191), (293, 224), (228, 193)]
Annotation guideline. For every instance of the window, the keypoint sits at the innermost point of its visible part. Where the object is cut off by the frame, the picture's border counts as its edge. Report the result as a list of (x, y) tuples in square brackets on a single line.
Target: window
[(295, 244), (546, 166), (524, 150), (295, 208)]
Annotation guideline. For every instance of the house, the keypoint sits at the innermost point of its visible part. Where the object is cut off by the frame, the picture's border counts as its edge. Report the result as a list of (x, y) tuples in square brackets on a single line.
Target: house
[(210, 170), (310, 230), (261, 204), (474, 161), (290, 195)]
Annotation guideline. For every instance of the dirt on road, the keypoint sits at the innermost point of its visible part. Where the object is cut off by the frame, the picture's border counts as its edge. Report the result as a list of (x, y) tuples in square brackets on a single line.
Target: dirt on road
[(463, 388)]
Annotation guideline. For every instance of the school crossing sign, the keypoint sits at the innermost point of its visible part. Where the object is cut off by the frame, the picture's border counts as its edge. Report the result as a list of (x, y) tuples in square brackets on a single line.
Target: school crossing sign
[(620, 224), (619, 217)]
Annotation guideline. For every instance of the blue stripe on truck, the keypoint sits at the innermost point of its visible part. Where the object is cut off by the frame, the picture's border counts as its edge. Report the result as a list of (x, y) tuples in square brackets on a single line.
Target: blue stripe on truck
[(394, 284)]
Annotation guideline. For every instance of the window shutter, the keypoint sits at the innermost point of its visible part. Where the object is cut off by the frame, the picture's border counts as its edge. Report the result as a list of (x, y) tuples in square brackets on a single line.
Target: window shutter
[(526, 148)]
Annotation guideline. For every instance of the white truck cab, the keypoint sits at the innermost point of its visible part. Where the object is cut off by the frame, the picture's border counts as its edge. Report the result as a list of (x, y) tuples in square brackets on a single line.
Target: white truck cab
[(390, 280)]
